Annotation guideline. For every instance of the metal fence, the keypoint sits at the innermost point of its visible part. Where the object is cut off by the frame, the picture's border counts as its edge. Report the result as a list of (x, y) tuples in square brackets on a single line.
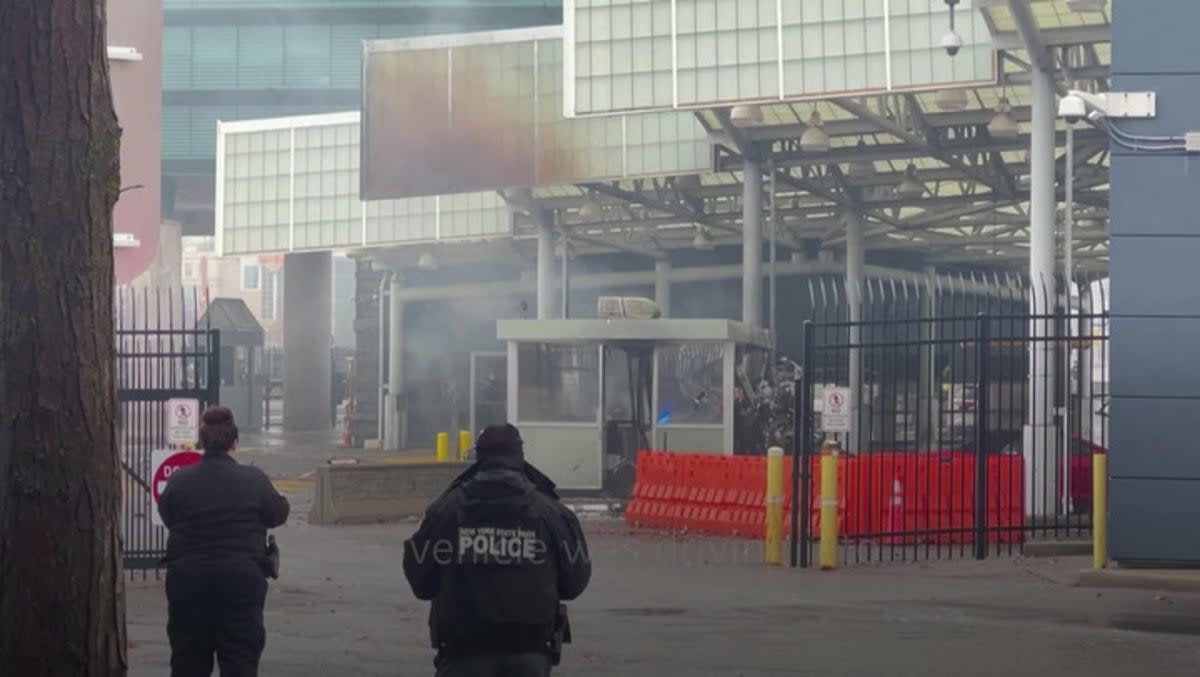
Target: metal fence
[(163, 351), (972, 419)]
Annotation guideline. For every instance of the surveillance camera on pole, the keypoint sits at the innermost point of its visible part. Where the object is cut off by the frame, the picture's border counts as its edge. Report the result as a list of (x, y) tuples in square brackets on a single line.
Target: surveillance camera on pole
[(1077, 105), (952, 42)]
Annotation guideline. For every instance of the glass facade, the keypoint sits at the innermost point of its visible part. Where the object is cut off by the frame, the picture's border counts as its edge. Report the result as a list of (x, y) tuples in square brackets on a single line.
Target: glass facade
[(633, 55), (247, 59), (491, 117), (294, 186)]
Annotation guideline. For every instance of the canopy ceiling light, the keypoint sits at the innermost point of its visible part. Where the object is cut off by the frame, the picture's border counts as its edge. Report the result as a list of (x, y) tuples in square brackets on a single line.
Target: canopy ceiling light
[(703, 241), (1088, 5), (951, 99), (427, 262), (911, 186), (591, 209), (1003, 124), (814, 139), (862, 168), (746, 115)]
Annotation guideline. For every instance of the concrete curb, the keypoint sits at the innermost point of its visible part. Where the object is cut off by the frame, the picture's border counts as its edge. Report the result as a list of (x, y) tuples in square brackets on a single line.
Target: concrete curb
[(1043, 549), (1164, 580)]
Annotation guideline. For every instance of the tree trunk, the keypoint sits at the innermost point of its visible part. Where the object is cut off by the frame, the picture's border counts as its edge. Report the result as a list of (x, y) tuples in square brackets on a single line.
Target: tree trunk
[(62, 609)]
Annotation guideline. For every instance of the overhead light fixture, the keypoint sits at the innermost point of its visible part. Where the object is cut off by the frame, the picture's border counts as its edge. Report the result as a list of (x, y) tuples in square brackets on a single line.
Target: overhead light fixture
[(746, 115), (1087, 5), (814, 139), (427, 262), (591, 209), (703, 241), (951, 99), (911, 187), (1003, 124), (566, 249), (861, 168)]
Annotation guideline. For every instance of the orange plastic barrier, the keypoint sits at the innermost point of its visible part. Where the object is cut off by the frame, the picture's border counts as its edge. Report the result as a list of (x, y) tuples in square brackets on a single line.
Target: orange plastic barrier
[(899, 498)]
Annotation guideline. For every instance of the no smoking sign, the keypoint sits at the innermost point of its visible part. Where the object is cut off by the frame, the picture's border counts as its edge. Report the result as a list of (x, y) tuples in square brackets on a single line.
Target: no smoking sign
[(183, 421), (835, 414), (164, 464)]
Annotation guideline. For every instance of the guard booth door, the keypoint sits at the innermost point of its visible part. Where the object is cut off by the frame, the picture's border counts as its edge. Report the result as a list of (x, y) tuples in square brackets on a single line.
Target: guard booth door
[(489, 389), (626, 412)]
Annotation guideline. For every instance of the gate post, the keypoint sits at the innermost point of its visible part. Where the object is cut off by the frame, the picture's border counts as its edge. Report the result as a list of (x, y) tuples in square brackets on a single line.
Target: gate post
[(981, 426), (802, 454)]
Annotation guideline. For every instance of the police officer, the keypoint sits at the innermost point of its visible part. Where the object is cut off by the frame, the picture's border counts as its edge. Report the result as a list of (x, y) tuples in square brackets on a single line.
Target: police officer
[(218, 513), (497, 554)]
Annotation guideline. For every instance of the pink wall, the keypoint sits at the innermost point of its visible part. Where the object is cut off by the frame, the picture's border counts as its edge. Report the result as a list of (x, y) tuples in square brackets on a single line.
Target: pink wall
[(137, 90)]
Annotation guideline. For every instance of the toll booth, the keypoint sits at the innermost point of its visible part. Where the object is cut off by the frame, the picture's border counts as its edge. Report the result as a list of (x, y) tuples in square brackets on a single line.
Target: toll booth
[(589, 394), (243, 378)]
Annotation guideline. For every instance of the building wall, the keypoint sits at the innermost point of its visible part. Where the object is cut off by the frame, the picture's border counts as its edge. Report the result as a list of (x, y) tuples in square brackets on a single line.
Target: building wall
[(251, 279), (259, 281), (137, 93), (1155, 461), (245, 59)]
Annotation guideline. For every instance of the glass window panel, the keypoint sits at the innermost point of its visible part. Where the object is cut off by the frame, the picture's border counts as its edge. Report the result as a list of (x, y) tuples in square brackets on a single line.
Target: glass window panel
[(690, 384), (558, 383)]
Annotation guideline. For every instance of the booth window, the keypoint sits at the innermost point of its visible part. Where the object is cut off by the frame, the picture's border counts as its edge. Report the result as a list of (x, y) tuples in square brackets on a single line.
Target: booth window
[(691, 384), (558, 383)]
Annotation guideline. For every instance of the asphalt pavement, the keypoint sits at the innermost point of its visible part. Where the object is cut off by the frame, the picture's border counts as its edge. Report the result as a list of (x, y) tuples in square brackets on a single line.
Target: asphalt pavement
[(681, 606)]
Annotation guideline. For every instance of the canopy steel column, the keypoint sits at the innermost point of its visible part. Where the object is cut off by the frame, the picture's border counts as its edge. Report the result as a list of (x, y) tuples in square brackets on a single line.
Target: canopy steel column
[(545, 272), (662, 286), (1041, 481), (752, 218), (394, 412), (855, 283), (307, 341)]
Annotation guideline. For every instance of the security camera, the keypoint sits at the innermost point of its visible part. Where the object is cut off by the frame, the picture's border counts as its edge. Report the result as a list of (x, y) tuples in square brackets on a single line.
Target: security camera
[(952, 42), (1077, 105)]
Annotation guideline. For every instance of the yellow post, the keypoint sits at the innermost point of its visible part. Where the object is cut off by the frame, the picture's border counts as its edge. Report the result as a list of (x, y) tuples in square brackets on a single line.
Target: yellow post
[(443, 447), (774, 546), (829, 504), (464, 444), (1099, 510)]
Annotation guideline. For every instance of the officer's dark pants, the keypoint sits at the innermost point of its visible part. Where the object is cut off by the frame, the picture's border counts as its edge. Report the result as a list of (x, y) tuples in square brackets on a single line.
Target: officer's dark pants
[(516, 665), (215, 608)]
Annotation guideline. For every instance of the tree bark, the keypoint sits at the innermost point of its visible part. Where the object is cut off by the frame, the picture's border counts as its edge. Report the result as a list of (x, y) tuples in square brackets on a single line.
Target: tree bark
[(62, 608)]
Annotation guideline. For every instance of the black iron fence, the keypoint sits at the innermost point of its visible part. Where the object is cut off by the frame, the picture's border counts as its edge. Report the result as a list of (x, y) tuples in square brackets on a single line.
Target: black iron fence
[(164, 352), (967, 421)]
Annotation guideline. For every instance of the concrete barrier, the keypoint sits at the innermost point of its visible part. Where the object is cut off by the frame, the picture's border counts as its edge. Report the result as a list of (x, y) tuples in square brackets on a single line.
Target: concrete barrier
[(381, 492)]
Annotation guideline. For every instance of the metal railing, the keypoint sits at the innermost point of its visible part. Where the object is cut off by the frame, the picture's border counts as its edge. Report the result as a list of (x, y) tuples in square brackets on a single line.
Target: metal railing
[(163, 351), (969, 431)]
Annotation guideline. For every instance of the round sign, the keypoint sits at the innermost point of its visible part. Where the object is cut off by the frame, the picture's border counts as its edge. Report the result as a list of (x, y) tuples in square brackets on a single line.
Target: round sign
[(176, 461), (835, 400)]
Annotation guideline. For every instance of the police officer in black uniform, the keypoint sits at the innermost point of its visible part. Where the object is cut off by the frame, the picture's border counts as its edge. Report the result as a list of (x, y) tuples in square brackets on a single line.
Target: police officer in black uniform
[(497, 554), (218, 513)]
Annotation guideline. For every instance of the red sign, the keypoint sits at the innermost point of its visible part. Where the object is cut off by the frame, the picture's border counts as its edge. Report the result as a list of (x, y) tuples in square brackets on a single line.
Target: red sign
[(166, 463)]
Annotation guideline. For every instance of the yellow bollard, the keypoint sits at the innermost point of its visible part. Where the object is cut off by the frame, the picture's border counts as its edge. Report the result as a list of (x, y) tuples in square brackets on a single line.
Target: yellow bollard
[(774, 545), (829, 504), (443, 447), (464, 444), (1099, 510)]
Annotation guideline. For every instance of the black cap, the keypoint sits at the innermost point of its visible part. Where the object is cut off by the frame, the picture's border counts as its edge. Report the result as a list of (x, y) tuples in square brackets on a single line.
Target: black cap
[(500, 440)]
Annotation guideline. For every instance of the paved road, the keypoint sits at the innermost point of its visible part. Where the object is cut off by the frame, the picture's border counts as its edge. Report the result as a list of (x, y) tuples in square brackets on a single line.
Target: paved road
[(690, 607)]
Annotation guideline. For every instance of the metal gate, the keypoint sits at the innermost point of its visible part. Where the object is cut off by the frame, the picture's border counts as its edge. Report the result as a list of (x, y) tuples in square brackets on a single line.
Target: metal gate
[(968, 434), (162, 353)]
